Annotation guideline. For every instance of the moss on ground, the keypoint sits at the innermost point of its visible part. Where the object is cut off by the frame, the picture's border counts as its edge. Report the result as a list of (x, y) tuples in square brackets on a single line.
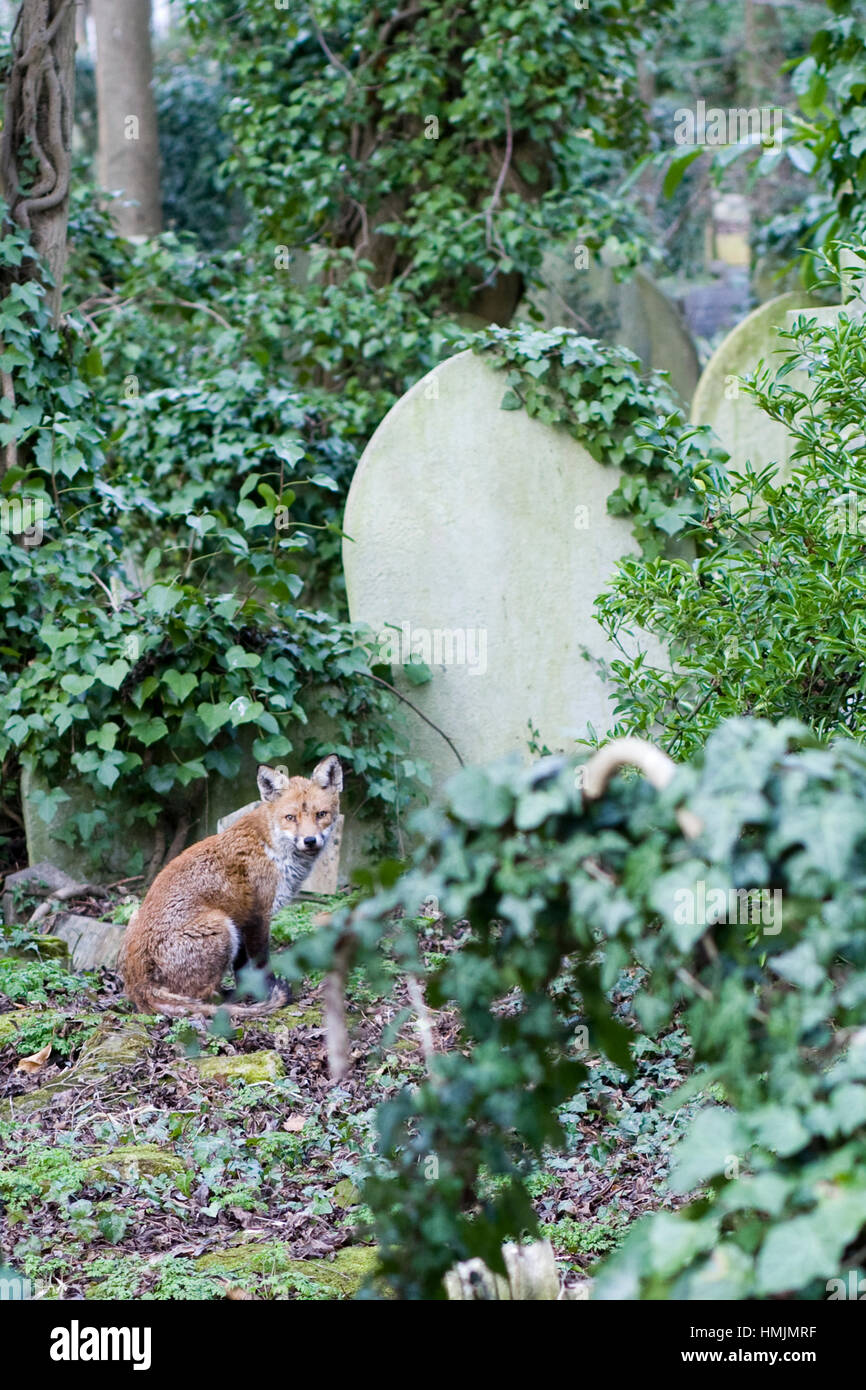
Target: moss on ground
[(342, 1276), (249, 1067), (131, 1159)]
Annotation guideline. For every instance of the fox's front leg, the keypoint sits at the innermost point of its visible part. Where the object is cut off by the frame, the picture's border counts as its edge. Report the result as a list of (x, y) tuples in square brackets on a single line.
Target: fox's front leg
[(254, 950)]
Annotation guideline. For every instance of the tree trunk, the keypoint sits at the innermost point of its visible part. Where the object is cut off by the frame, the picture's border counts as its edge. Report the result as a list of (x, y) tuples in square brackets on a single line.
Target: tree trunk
[(128, 145), (37, 130)]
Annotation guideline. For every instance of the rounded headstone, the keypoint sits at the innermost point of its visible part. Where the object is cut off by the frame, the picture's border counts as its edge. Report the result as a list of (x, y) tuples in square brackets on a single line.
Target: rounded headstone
[(719, 401), (634, 313), (477, 539)]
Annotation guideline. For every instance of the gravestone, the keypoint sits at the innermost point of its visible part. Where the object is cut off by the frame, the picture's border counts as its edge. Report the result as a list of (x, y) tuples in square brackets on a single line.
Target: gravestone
[(634, 313), (729, 230), (719, 401), (93, 945), (477, 540)]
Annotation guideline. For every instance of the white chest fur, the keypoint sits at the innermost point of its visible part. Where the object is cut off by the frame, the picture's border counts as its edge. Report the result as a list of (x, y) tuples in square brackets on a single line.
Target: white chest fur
[(292, 869)]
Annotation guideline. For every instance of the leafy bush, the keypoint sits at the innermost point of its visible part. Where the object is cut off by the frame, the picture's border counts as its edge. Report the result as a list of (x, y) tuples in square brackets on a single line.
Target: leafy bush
[(768, 983), (769, 619), (154, 633), (406, 197)]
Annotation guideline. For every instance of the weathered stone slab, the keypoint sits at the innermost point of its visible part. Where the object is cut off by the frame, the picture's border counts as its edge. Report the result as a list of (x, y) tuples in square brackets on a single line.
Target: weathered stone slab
[(246, 1066), (42, 878), (343, 1274), (93, 945), (479, 539), (128, 1160), (719, 400)]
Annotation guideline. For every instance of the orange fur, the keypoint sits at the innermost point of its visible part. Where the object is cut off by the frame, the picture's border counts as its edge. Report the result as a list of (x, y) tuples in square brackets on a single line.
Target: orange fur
[(210, 909)]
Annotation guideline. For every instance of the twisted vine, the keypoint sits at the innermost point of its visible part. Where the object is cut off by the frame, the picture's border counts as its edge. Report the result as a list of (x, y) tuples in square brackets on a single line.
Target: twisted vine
[(37, 125)]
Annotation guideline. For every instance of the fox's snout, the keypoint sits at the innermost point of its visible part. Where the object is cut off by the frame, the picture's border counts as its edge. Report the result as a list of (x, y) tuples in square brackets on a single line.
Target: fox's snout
[(311, 844)]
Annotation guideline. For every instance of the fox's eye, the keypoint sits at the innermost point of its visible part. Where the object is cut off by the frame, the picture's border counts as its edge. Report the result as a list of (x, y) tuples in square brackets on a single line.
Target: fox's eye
[(291, 817), (320, 814)]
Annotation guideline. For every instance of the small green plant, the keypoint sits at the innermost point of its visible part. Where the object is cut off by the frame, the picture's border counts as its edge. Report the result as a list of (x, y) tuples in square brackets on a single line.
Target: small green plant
[(32, 982), (589, 1239), (122, 912)]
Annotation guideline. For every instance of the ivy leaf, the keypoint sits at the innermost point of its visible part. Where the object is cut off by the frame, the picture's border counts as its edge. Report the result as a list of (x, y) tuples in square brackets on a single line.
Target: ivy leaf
[(213, 716), (147, 731), (237, 659), (243, 710), (180, 683), (417, 673), (113, 673), (162, 598), (76, 685)]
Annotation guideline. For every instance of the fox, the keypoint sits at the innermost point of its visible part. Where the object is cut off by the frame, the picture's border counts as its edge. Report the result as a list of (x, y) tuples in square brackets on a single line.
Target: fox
[(211, 908)]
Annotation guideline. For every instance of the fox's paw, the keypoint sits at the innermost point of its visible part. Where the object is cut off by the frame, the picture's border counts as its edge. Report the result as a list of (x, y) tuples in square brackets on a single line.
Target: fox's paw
[(281, 994)]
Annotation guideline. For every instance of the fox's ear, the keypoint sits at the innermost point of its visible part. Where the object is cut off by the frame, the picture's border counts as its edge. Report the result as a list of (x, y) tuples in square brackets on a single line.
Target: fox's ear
[(328, 773), (272, 782)]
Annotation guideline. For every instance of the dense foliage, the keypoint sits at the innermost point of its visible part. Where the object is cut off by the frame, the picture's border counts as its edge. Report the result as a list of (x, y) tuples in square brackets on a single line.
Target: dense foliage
[(156, 632), (831, 86), (769, 619), (416, 166), (563, 898)]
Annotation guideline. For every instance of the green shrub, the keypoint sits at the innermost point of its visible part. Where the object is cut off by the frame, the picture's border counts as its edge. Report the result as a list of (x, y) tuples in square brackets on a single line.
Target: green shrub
[(770, 995), (768, 620), (155, 631)]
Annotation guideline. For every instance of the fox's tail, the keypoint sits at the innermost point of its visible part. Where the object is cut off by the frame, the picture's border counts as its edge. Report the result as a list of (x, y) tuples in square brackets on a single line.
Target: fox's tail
[(165, 1001)]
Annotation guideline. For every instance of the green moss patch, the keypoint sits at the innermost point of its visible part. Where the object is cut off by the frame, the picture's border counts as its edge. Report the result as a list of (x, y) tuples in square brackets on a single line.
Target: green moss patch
[(132, 1159), (340, 1277), (249, 1067)]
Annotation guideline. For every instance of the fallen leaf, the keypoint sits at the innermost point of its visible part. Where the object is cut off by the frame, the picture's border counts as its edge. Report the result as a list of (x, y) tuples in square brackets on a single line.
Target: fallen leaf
[(36, 1060), (295, 1123)]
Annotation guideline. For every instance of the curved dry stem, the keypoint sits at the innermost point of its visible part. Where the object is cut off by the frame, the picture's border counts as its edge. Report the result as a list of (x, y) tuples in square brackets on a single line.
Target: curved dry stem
[(655, 765)]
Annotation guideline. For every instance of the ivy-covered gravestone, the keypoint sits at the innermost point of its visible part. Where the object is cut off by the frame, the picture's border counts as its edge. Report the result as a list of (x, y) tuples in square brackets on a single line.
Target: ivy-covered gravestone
[(478, 537)]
